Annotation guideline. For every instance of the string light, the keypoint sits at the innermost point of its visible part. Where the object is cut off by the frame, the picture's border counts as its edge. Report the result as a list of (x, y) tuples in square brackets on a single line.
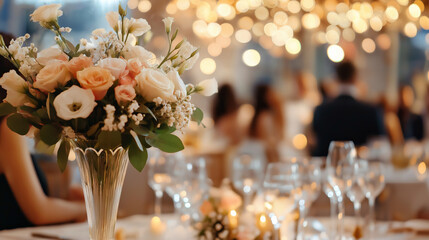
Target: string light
[(335, 53), (251, 57)]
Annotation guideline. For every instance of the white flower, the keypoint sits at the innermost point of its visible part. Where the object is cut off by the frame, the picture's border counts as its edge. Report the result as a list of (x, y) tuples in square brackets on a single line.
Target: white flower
[(152, 83), (207, 87), (46, 14), (16, 88), (52, 76), (145, 57), (99, 32), (3, 51), (168, 21), (138, 27), (116, 66), (113, 18), (74, 103), (49, 54), (185, 52), (174, 76)]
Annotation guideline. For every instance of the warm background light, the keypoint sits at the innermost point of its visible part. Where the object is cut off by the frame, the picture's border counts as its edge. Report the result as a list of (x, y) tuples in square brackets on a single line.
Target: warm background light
[(251, 57)]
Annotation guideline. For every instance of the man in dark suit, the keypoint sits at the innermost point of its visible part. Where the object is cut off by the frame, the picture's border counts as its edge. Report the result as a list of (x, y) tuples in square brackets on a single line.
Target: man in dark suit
[(345, 118)]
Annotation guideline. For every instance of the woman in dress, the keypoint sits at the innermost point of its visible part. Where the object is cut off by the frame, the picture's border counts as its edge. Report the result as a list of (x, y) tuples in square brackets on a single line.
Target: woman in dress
[(24, 199)]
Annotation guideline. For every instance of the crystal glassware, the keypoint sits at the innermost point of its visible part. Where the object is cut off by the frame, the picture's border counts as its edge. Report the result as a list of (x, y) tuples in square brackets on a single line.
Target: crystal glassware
[(247, 176), (339, 169), (159, 177)]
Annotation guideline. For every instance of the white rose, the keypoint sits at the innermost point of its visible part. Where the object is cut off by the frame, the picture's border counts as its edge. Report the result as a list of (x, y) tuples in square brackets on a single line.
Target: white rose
[(138, 27), (112, 19), (46, 14), (74, 103), (52, 76), (16, 88), (168, 21), (207, 87), (145, 57), (174, 76), (47, 55), (152, 83), (116, 66)]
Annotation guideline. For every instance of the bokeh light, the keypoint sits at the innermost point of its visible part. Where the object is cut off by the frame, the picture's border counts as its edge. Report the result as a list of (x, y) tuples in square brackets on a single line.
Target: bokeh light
[(251, 57), (368, 45), (335, 53), (208, 66), (293, 46)]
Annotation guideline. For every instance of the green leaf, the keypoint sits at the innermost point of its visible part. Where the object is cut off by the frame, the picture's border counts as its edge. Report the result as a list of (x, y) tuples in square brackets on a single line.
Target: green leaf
[(50, 134), (6, 109), (165, 142), (137, 157), (69, 45), (42, 114), (197, 116), (164, 128), (144, 109), (93, 129), (136, 140), (109, 139), (63, 154), (27, 109), (140, 130), (17, 123)]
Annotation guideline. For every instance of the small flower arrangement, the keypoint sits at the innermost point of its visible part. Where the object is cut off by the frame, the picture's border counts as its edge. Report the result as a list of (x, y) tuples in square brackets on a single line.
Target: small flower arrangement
[(104, 90)]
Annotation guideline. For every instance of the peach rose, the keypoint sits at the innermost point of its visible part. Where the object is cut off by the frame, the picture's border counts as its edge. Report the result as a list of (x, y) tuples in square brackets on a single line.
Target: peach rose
[(206, 208), (98, 79), (124, 94), (49, 54), (77, 64), (134, 66), (116, 66), (52, 76), (127, 79)]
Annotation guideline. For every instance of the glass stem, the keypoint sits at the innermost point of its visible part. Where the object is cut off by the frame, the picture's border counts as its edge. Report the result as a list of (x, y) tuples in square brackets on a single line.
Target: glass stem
[(247, 197), (302, 219), (159, 194), (334, 209), (371, 201), (340, 216), (357, 207)]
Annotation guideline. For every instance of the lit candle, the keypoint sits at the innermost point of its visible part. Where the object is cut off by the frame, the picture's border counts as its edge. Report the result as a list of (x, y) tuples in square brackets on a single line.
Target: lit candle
[(233, 219), (157, 226)]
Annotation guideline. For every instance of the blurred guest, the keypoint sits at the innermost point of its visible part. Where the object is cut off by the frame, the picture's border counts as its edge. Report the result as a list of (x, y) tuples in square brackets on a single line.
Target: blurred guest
[(391, 121), (268, 122), (345, 118), (225, 115), (24, 197), (411, 123)]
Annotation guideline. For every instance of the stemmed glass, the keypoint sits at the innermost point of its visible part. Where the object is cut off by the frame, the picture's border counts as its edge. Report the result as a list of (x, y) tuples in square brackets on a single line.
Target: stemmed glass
[(373, 184), (339, 169), (307, 188), (247, 176), (355, 191), (278, 189), (196, 186), (177, 173), (159, 177)]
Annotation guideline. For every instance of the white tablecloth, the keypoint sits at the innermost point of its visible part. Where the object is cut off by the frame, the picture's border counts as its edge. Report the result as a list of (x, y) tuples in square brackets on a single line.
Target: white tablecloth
[(138, 228)]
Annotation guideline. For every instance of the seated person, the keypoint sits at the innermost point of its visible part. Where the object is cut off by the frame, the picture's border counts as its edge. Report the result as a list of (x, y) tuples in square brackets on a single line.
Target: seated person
[(23, 189), (345, 118)]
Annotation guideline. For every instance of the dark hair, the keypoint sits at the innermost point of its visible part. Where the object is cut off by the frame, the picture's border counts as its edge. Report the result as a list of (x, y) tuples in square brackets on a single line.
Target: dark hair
[(225, 102), (5, 66), (261, 105), (346, 72)]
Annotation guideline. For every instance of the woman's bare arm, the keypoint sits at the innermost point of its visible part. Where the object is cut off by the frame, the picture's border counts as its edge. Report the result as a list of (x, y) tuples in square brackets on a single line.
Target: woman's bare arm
[(16, 164)]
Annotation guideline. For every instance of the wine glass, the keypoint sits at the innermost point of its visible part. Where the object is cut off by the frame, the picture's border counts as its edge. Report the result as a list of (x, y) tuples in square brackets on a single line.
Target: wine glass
[(278, 189), (355, 191), (307, 189), (177, 173), (339, 169), (247, 176), (373, 184), (159, 177), (196, 186)]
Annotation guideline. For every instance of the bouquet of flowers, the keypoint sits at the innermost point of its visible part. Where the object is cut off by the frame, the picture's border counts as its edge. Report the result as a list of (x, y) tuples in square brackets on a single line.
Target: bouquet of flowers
[(105, 90)]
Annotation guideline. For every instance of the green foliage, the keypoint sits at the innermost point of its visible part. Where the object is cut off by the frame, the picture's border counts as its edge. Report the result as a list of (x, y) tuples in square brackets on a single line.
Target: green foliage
[(197, 116), (63, 154), (17, 123), (6, 108), (138, 158), (164, 128), (109, 139), (166, 142), (50, 134), (144, 109)]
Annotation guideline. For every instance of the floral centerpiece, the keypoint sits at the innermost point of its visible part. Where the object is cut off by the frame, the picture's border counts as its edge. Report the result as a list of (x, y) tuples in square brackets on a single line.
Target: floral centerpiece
[(105, 97)]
